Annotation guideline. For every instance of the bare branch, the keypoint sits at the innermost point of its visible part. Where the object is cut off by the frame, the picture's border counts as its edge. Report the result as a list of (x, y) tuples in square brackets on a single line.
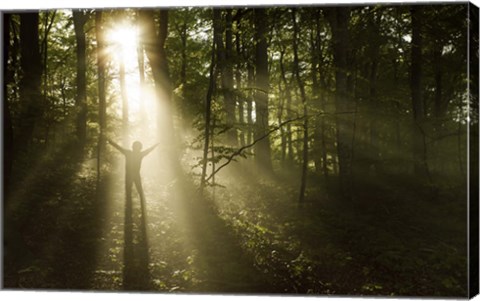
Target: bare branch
[(239, 151)]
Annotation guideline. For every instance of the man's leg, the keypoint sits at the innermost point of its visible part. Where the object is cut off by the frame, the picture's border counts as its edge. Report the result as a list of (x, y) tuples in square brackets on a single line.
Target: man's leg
[(138, 185), (128, 187)]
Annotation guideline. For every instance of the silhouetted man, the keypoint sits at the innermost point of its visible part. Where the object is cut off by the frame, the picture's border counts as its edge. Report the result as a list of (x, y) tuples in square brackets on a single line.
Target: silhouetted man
[(133, 162)]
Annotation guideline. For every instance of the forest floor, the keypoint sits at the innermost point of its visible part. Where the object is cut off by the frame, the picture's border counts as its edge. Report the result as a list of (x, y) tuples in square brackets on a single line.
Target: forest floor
[(248, 237)]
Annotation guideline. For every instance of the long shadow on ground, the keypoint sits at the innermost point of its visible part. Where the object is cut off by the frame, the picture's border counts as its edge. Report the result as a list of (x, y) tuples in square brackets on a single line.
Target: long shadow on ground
[(136, 259), (221, 265)]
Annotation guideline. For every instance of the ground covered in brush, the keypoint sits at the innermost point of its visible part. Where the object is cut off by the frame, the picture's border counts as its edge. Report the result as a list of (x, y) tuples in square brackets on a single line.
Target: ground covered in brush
[(249, 236)]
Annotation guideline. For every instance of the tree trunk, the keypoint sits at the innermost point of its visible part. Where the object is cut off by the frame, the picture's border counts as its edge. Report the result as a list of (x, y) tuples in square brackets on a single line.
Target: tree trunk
[(315, 51), (262, 148), (30, 82), (101, 66), (250, 95), (440, 105), (162, 37), (225, 66), (79, 19), (183, 69), (238, 82), (123, 93), (228, 76), (141, 74), (281, 108), (419, 151), (339, 19), (288, 109), (373, 116), (118, 47), (323, 137), (398, 119), (303, 183), (208, 111), (14, 53), (155, 51), (8, 140), (250, 125), (181, 101), (44, 54), (212, 151), (289, 137), (322, 83)]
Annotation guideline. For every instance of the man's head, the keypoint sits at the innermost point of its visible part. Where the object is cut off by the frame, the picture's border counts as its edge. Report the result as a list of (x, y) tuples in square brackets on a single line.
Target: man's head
[(137, 146)]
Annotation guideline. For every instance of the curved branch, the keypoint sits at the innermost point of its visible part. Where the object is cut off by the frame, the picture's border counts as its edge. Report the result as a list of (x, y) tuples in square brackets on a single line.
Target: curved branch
[(239, 151)]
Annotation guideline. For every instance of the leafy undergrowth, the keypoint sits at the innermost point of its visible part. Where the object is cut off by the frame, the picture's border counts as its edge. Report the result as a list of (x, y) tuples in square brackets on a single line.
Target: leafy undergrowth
[(388, 240), (251, 237), (75, 239), (50, 225)]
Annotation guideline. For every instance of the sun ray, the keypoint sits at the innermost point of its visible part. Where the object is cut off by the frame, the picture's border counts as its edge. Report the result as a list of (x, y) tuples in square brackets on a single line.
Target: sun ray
[(123, 44)]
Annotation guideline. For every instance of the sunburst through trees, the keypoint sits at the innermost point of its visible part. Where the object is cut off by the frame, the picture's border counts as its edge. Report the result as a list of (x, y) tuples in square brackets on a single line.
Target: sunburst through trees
[(291, 150)]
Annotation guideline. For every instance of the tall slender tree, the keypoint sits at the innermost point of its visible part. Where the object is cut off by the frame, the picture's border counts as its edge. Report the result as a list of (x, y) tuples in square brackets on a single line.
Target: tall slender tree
[(208, 103), (339, 19), (30, 82), (8, 141), (101, 69), (141, 74), (296, 65), (123, 93), (416, 87), (240, 98), (154, 46), (262, 148), (228, 76), (79, 20), (373, 51)]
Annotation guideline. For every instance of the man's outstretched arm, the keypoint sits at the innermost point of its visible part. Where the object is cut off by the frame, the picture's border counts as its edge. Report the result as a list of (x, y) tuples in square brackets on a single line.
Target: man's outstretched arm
[(149, 150), (118, 147)]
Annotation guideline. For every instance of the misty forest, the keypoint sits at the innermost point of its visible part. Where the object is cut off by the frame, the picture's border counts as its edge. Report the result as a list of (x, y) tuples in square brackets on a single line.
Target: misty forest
[(256, 150)]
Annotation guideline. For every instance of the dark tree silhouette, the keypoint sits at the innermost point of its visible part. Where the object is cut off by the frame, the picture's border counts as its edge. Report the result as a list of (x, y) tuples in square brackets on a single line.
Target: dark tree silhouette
[(338, 19), (79, 20), (262, 149), (419, 151), (7, 116), (30, 82)]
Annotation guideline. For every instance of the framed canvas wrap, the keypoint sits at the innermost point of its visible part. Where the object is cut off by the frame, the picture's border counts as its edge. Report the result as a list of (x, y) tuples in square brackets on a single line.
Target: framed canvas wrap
[(281, 150)]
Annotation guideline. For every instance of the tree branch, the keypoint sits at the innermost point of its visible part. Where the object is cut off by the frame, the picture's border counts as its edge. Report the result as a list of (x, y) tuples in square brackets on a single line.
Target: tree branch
[(239, 151)]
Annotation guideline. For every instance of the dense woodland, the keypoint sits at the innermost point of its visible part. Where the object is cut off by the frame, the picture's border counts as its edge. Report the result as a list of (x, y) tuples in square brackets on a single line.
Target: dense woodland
[(311, 150)]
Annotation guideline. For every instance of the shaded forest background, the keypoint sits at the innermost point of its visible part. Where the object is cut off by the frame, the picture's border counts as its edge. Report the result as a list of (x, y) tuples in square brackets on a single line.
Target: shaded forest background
[(302, 149)]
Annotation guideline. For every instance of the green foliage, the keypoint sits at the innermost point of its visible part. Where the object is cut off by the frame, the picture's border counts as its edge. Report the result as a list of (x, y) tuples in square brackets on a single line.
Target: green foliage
[(397, 235), (372, 248)]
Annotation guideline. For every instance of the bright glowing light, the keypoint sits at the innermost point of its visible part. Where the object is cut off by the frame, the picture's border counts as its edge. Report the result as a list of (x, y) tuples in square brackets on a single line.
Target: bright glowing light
[(124, 40), (123, 48)]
